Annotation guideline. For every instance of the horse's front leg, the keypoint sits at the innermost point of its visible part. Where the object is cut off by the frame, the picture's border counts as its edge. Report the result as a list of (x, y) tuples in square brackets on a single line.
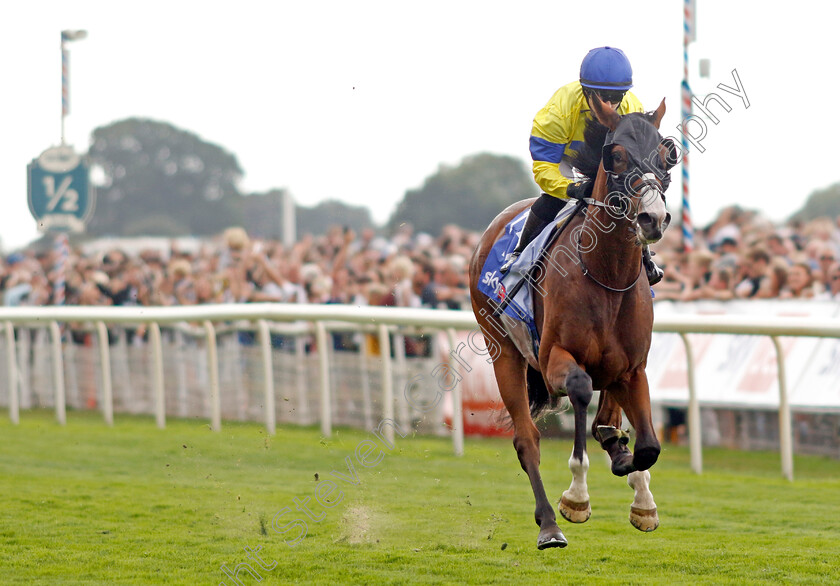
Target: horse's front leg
[(606, 428), (634, 397), (564, 373)]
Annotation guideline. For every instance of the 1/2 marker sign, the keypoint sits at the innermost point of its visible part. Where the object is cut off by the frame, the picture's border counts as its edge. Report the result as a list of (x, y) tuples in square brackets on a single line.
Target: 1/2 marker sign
[(60, 194)]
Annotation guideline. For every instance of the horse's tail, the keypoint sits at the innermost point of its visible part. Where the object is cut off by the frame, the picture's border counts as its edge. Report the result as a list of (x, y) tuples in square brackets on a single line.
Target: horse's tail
[(538, 396)]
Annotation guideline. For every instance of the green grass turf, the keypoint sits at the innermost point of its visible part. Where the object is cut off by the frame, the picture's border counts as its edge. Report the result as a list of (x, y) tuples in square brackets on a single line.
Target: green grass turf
[(86, 504)]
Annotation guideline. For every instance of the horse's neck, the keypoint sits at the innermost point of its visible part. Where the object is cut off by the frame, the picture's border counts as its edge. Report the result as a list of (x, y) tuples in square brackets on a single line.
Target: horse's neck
[(616, 254)]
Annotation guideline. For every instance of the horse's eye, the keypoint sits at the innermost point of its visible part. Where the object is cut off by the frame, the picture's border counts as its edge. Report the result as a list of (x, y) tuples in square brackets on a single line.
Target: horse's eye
[(616, 157)]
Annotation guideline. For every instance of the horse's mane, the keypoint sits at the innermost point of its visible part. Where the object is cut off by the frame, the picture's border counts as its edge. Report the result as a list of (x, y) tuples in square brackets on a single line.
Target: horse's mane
[(588, 158)]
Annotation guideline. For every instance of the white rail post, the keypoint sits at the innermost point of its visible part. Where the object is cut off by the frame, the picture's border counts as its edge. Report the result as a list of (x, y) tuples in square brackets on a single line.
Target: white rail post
[(364, 376), (105, 361), (457, 407), (157, 374), (58, 374), (24, 369), (324, 367), (213, 373), (387, 381), (11, 373), (301, 370), (695, 434), (400, 376), (181, 361), (268, 376), (785, 429)]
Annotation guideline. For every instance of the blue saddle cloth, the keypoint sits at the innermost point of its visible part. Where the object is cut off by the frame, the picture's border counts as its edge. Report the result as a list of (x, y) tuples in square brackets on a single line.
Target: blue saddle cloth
[(495, 285)]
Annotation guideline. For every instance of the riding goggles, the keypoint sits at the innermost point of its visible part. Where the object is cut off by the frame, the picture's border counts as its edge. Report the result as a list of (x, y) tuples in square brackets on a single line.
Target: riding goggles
[(611, 96)]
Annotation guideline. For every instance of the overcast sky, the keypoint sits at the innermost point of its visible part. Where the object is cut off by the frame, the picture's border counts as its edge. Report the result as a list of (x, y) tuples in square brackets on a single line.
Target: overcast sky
[(361, 101)]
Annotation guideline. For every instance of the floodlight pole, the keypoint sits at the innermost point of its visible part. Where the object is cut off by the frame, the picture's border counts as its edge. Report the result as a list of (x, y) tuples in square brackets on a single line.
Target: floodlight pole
[(67, 36)]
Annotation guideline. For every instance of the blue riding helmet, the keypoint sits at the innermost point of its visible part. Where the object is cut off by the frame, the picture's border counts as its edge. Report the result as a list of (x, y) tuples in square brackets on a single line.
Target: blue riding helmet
[(606, 68)]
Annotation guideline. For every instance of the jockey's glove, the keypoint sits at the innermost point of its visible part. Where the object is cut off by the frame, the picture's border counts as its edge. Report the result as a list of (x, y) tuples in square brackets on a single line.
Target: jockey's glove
[(579, 190)]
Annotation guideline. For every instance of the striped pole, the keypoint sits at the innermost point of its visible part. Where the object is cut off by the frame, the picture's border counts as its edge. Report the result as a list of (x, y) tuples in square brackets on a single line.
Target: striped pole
[(67, 36), (65, 83), (688, 35)]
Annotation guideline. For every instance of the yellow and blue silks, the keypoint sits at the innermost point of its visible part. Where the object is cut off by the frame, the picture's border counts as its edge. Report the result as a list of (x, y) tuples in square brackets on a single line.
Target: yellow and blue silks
[(558, 133)]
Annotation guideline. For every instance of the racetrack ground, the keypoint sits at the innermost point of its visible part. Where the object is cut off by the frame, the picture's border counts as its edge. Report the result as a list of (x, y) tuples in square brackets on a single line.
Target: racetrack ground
[(132, 504)]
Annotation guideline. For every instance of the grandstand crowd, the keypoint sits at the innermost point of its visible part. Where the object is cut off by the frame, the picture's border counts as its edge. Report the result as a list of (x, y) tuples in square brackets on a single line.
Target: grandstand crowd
[(739, 255)]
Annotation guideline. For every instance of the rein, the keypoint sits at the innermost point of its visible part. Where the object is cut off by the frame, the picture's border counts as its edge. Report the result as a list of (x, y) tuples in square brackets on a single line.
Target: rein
[(598, 204), (585, 269)]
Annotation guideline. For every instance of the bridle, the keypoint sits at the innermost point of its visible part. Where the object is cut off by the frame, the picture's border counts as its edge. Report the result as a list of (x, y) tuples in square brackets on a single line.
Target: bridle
[(619, 210)]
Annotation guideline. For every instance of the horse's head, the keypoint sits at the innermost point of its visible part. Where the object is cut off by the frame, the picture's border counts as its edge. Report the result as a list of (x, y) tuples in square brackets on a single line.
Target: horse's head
[(637, 161)]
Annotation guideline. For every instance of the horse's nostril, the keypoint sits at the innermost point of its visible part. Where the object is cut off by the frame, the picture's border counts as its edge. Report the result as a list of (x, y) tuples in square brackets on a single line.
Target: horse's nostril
[(650, 227), (667, 221), (645, 220)]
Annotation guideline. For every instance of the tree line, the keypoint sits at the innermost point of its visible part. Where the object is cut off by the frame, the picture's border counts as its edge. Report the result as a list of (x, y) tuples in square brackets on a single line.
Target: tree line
[(159, 180)]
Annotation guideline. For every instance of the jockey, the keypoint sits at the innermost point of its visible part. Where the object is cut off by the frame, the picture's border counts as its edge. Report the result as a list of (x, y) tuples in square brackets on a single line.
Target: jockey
[(557, 135)]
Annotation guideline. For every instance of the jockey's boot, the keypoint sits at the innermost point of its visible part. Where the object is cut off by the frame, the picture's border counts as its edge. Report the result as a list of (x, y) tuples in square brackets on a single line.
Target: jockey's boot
[(533, 226), (543, 212), (654, 273)]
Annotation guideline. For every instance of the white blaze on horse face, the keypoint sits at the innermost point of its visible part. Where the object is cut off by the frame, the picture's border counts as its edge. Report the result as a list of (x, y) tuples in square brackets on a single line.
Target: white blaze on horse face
[(653, 204)]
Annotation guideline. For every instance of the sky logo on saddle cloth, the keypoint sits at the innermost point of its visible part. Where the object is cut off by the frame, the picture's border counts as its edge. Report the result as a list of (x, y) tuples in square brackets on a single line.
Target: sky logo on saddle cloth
[(495, 285)]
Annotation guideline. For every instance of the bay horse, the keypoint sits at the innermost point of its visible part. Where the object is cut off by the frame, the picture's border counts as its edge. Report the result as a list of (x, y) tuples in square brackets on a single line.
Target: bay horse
[(594, 316)]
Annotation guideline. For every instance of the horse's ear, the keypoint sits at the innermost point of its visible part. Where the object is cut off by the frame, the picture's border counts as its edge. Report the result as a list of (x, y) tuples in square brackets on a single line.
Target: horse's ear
[(659, 113), (604, 114)]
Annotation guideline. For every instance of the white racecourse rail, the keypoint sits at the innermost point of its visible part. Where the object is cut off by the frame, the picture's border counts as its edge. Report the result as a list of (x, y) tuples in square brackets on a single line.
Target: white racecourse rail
[(325, 318)]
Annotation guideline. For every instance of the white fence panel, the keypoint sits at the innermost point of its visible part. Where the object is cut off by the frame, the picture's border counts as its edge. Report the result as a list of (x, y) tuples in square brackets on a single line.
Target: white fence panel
[(741, 370), (735, 362)]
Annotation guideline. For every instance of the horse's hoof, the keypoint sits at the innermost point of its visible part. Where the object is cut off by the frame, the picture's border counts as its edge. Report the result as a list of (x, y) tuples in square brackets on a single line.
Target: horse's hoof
[(574, 512), (644, 458), (623, 465), (644, 519), (551, 538)]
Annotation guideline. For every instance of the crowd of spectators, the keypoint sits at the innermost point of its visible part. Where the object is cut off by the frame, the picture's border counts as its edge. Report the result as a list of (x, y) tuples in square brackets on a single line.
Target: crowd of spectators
[(740, 255), (411, 270)]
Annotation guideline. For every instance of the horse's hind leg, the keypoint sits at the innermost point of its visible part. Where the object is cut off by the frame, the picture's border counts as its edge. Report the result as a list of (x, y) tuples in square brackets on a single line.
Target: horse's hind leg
[(643, 513), (564, 372), (510, 375), (606, 428)]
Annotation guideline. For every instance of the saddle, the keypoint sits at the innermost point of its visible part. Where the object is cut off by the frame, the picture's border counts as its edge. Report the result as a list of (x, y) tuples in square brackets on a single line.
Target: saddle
[(514, 307)]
